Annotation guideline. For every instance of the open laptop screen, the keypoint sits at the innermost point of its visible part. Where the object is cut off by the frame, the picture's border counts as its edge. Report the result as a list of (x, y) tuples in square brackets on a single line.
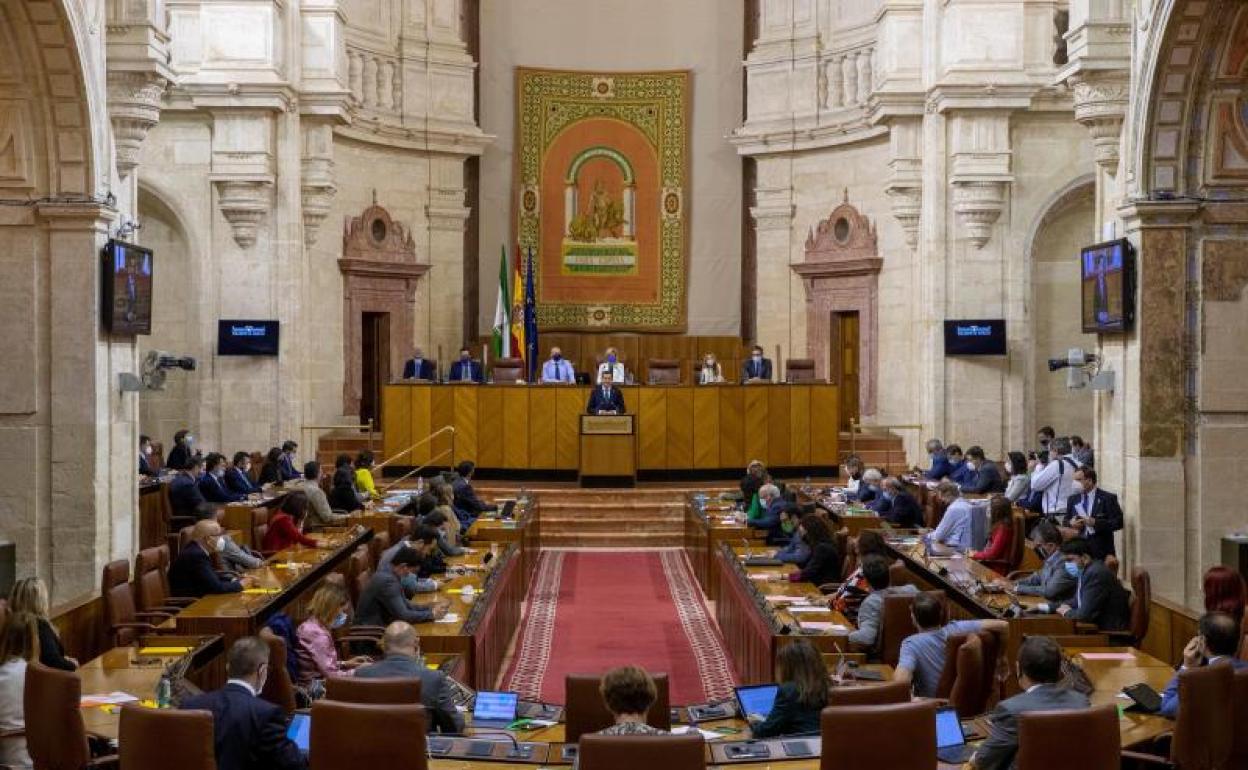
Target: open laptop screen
[(495, 707)]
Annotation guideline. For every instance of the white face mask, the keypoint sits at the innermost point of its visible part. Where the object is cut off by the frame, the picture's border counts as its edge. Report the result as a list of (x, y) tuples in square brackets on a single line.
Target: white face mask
[(147, 450), (219, 543)]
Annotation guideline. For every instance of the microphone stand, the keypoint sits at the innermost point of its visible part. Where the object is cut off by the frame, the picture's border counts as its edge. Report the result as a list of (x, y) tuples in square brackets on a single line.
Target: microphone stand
[(517, 750)]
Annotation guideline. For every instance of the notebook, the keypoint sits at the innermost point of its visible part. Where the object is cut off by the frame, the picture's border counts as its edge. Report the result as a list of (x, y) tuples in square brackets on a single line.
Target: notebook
[(756, 700), (300, 731), (495, 709), (951, 745)]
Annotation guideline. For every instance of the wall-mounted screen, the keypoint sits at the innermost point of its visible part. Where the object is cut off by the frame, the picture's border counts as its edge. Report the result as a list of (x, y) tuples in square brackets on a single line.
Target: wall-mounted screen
[(127, 286), (1107, 284), (247, 338), (975, 338)]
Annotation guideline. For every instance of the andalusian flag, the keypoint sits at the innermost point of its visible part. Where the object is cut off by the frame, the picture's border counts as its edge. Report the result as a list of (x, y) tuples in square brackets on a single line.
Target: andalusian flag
[(517, 310), (502, 312)]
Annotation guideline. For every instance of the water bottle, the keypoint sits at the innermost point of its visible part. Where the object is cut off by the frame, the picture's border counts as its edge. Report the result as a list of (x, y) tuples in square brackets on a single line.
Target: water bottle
[(420, 485), (164, 692)]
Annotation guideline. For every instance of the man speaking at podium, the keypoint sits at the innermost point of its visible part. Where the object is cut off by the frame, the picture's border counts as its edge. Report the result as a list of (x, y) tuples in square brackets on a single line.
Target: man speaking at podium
[(606, 398)]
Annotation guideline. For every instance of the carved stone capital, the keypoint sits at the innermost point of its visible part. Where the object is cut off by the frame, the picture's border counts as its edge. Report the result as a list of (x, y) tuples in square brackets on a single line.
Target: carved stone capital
[(1101, 106), (133, 107), (318, 199), (977, 205), (907, 205), (244, 203)]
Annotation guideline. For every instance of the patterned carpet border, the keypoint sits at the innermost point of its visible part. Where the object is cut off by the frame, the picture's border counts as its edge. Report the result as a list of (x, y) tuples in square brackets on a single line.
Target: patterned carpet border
[(533, 652), (704, 639)]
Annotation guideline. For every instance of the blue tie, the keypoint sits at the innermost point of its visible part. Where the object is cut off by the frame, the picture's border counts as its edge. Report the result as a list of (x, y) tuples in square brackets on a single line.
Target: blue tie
[(1087, 506)]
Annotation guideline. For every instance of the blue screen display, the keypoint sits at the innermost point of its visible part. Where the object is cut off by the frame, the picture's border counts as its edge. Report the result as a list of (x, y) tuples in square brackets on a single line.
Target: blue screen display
[(496, 706), (948, 729), (757, 700), (300, 731)]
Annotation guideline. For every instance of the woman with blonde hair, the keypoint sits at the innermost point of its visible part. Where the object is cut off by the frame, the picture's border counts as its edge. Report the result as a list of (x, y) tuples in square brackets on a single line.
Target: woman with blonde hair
[(711, 372), (327, 611), (19, 645), (31, 595)]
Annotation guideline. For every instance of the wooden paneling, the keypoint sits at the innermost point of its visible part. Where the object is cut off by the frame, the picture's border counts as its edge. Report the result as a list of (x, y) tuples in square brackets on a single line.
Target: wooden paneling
[(583, 350), (799, 425), (778, 427), (679, 428), (490, 427), (706, 428), (396, 414), (570, 405), (466, 424), (542, 418), (606, 455), (754, 418), (516, 427), (824, 419), (441, 415), (422, 403), (731, 426), (1170, 628), (651, 428)]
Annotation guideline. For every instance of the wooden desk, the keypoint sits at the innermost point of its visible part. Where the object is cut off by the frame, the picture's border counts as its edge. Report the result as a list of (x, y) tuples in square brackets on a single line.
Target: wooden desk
[(1110, 676), (710, 522), (608, 450), (536, 427), (523, 529)]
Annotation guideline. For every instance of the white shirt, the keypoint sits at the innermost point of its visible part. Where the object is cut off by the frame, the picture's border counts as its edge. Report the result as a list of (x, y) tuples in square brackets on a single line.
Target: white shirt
[(617, 372), (243, 683), (12, 715), (1057, 481)]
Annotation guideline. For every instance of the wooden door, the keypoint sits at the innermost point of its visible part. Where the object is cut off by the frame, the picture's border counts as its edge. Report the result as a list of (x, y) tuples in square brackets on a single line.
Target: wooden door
[(375, 360), (843, 363)]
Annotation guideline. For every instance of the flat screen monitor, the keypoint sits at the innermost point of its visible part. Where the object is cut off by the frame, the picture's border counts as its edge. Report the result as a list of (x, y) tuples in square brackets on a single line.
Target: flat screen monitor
[(127, 284), (1107, 286), (495, 708), (975, 338), (247, 338)]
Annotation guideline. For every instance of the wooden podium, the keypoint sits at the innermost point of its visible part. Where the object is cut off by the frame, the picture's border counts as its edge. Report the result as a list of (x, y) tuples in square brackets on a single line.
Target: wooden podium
[(608, 451)]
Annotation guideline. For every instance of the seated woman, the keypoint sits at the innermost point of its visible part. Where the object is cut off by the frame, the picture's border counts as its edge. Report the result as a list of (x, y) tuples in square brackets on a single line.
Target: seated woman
[(711, 372), (1001, 538), (1225, 591), (629, 692), (855, 588), (30, 595), (328, 610), (342, 495), (804, 691), (1019, 484), (286, 526), (271, 471), (364, 474), (19, 645), (824, 564)]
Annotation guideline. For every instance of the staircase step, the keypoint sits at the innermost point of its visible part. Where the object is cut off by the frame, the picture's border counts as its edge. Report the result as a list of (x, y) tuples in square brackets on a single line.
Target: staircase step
[(617, 540), (550, 528)]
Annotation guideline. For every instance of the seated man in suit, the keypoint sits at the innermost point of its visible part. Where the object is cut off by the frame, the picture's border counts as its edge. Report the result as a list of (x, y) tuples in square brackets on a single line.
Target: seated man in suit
[(757, 368), (184, 494), (770, 503), (192, 572), (875, 568), (869, 489), (466, 498), (238, 476), (897, 506), (607, 398), (248, 733), (382, 601), (234, 557), (145, 452), (465, 369), (1099, 597), (795, 550), (1052, 580), (319, 512), (558, 369), (987, 478), (402, 648), (940, 467), (960, 472), (418, 367), (212, 483), (1039, 674), (1094, 513), (287, 469), (1217, 642)]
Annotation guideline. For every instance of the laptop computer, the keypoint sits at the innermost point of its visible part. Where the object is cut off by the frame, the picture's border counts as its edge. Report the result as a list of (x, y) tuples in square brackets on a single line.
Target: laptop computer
[(508, 509), (951, 745), (300, 731), (495, 709), (756, 700)]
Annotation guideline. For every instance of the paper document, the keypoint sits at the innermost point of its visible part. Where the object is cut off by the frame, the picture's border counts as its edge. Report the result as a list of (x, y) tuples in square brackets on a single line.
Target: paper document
[(706, 734), (1107, 656), (450, 617), (107, 699), (810, 625), (262, 591), (808, 608)]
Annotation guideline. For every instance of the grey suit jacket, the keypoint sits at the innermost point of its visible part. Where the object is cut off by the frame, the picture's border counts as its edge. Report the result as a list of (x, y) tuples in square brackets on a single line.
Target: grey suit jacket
[(1101, 599), (871, 613), (998, 752), (434, 694), (1051, 581)]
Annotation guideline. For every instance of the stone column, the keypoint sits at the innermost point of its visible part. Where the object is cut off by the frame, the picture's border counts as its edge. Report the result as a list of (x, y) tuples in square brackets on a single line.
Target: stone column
[(446, 216), (780, 301)]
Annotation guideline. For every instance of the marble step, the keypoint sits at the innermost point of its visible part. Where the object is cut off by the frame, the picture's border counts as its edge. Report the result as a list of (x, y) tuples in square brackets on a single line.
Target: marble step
[(611, 540)]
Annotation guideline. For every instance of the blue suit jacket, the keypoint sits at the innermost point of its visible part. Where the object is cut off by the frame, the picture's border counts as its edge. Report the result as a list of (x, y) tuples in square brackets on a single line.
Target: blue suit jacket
[(247, 733), (941, 467), (426, 372), (750, 370), (184, 495), (903, 511), (459, 375), (215, 492), (961, 474), (287, 469), (600, 403), (239, 482), (192, 574), (1170, 698), (145, 467)]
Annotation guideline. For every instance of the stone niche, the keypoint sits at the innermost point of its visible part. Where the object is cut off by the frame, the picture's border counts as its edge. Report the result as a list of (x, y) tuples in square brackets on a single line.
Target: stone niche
[(379, 275), (841, 274)]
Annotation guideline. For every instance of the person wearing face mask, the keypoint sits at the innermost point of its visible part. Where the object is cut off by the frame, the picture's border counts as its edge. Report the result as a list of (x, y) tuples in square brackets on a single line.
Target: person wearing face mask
[(795, 550), (145, 453), (558, 369), (183, 450), (212, 483), (238, 476), (420, 368), (1099, 597), (234, 557), (465, 369), (869, 490), (1094, 513), (612, 365), (1052, 581), (757, 367), (986, 478), (607, 398), (961, 471), (286, 468), (318, 655), (711, 372), (192, 572), (1019, 486), (940, 467), (247, 731), (184, 493), (897, 506), (382, 601)]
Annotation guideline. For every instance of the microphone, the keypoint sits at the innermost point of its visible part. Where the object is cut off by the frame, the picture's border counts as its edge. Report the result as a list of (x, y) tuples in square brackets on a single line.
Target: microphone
[(518, 751), (748, 553)]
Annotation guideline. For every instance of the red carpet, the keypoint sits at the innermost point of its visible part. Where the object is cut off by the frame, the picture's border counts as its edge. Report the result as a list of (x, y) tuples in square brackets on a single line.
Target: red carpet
[(592, 610)]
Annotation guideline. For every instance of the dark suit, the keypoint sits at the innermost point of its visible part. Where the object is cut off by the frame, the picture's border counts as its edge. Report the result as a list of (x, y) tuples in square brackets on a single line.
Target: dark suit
[(610, 402), (760, 370), (997, 753), (788, 716), (178, 457), (466, 498), (426, 371), (435, 694), (145, 467), (240, 483), (941, 467), (287, 470), (215, 492), (1051, 581), (824, 565), (462, 371), (1101, 599), (986, 480), (192, 574), (247, 733), (904, 511), (1106, 518), (382, 602), (184, 495)]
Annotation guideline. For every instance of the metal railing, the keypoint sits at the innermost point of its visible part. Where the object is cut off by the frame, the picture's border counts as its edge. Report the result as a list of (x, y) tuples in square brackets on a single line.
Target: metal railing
[(444, 429), (414, 471)]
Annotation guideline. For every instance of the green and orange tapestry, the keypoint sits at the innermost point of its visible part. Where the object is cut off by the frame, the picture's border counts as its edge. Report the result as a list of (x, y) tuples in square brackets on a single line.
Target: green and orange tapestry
[(602, 165)]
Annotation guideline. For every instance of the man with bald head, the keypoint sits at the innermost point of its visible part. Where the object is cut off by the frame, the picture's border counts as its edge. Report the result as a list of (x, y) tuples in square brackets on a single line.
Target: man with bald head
[(403, 661), (193, 574)]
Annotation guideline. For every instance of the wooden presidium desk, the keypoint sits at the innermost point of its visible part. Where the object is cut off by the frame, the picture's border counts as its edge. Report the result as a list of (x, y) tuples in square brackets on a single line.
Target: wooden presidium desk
[(608, 450)]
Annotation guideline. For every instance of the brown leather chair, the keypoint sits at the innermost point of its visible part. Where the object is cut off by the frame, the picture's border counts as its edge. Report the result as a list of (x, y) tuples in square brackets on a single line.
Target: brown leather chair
[(1141, 604), (152, 582), (854, 737), (870, 695), (1077, 739), (348, 735), (358, 584), (989, 645), (278, 689), (507, 370), (376, 546), (1202, 738), (629, 752), (663, 371), (586, 712), (799, 370), (967, 694), (360, 562), (147, 735), (1239, 727), (349, 689), (55, 734), (122, 619)]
